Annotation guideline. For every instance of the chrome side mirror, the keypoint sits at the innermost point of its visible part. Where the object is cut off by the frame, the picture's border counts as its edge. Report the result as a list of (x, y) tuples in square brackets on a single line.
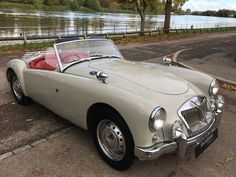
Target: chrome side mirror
[(101, 76), (167, 61)]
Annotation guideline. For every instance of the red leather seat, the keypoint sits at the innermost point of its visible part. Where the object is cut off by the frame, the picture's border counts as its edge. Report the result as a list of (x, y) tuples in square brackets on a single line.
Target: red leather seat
[(44, 63), (49, 62)]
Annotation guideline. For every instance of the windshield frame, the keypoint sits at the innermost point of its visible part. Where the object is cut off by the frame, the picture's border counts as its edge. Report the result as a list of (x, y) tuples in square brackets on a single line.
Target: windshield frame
[(62, 69)]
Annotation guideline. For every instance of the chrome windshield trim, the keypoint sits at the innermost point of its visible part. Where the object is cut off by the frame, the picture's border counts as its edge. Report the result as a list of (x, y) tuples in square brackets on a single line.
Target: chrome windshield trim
[(58, 58), (61, 68)]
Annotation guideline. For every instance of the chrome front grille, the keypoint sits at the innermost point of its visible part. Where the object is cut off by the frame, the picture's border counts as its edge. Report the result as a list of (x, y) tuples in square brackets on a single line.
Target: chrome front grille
[(191, 116), (196, 114)]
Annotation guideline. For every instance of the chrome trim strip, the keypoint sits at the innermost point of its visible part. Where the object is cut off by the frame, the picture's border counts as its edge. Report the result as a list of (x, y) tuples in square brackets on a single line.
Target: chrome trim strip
[(155, 151), (58, 58)]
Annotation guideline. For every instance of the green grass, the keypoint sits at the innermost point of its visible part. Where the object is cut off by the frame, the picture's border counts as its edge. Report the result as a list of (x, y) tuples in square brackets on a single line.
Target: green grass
[(26, 47)]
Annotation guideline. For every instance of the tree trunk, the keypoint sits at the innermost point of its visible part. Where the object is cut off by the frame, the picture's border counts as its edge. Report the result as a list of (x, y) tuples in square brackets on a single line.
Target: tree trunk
[(168, 8), (142, 26), (142, 9)]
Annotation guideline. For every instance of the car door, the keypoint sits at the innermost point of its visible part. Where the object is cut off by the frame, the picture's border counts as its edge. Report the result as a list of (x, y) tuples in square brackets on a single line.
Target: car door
[(39, 86), (72, 95)]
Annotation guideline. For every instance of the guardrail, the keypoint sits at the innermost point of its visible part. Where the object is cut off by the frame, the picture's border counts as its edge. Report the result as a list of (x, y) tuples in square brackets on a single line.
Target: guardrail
[(53, 32)]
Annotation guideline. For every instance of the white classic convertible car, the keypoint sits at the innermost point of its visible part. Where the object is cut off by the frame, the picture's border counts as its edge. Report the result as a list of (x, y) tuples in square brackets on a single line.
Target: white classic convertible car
[(133, 109)]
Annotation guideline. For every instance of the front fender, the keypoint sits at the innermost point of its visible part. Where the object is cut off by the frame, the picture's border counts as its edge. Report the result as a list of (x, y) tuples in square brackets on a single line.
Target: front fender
[(18, 66)]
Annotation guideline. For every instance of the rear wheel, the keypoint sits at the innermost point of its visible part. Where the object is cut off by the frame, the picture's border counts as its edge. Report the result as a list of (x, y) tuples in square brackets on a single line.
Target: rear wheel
[(113, 140), (17, 91)]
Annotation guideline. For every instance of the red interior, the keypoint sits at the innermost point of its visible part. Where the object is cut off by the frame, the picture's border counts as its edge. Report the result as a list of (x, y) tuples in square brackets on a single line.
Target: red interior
[(49, 62)]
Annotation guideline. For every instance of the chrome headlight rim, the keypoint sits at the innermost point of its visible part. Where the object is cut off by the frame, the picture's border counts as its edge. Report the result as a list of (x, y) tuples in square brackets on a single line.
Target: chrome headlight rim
[(157, 119), (214, 88)]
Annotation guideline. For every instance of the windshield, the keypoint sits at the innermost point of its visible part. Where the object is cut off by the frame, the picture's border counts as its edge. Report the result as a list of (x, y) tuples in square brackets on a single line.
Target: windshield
[(69, 53)]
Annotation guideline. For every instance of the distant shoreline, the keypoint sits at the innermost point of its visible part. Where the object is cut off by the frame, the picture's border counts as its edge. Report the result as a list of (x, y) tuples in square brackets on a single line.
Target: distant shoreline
[(58, 8)]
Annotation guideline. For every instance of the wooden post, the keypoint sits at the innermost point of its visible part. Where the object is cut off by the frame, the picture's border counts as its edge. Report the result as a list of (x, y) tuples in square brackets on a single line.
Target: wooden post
[(25, 38)]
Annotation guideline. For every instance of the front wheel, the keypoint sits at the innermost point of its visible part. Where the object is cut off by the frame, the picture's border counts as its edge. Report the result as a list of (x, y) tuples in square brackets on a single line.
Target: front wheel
[(113, 140), (17, 91)]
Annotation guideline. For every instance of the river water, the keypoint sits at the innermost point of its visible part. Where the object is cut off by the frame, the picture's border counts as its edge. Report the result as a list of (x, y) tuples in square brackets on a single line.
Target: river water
[(14, 22)]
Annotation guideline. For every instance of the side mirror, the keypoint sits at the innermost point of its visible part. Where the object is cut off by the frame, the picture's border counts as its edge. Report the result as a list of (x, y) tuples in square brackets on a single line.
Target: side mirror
[(167, 61), (101, 76)]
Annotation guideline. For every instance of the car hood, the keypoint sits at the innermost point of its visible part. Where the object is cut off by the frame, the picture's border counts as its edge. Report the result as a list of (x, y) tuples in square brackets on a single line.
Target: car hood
[(144, 75)]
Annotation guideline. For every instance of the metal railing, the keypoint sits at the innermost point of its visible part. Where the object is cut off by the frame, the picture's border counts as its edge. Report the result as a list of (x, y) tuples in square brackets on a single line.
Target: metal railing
[(21, 33)]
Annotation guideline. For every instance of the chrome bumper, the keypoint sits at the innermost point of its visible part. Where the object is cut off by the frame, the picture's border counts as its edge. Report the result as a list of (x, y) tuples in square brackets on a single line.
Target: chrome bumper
[(179, 146)]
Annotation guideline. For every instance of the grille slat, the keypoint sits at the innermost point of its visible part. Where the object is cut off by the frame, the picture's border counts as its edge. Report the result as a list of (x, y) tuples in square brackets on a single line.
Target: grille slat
[(194, 113)]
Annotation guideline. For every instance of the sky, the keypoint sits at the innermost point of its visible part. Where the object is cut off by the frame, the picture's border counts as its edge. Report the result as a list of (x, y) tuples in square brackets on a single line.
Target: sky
[(202, 5)]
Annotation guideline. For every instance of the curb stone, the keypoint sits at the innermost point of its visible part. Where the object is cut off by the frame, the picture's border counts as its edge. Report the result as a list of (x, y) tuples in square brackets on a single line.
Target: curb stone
[(21, 149), (55, 135), (67, 130), (6, 155), (38, 142), (32, 145)]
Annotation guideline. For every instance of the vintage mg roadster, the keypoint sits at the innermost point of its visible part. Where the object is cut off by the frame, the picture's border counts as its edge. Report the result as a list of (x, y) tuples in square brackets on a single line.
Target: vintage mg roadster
[(133, 109)]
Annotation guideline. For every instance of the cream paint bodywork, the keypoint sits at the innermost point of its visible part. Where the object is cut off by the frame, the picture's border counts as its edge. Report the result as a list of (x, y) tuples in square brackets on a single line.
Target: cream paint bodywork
[(70, 94)]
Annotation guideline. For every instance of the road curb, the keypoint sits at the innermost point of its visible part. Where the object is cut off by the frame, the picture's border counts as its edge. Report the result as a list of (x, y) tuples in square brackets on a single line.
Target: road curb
[(220, 79), (6, 155), (35, 143)]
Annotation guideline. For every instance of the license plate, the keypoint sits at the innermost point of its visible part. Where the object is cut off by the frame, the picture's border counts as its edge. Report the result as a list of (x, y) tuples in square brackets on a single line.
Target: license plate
[(206, 143)]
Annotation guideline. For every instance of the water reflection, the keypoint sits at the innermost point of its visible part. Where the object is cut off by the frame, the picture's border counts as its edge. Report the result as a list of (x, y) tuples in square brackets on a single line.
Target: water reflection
[(14, 22)]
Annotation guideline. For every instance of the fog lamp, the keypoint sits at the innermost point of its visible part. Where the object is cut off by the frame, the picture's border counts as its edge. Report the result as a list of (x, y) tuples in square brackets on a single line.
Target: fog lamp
[(177, 129), (219, 102), (214, 88)]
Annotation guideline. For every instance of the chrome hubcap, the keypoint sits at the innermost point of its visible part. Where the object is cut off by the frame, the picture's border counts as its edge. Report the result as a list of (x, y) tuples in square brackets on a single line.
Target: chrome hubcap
[(17, 89), (111, 140)]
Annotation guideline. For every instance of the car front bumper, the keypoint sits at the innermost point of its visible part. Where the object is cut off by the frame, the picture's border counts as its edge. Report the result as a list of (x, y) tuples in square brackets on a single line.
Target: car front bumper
[(180, 145)]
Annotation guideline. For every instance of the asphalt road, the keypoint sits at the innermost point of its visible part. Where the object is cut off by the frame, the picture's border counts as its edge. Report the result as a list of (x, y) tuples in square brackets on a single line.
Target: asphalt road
[(73, 154)]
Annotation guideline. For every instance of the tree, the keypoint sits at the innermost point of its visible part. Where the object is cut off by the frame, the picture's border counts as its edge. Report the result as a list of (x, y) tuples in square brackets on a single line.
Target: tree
[(142, 7), (188, 11), (92, 4), (38, 4), (51, 2), (169, 5), (74, 5)]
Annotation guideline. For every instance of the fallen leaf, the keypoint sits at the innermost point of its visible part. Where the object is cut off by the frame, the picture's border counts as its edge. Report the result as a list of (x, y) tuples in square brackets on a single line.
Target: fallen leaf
[(37, 172), (229, 159), (29, 120)]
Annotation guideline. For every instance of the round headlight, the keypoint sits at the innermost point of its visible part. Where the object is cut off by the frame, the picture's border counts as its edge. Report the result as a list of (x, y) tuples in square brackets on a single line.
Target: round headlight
[(157, 119), (214, 88), (220, 101)]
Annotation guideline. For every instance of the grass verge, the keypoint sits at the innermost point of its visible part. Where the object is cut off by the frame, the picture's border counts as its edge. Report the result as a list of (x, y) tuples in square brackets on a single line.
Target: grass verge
[(8, 49)]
